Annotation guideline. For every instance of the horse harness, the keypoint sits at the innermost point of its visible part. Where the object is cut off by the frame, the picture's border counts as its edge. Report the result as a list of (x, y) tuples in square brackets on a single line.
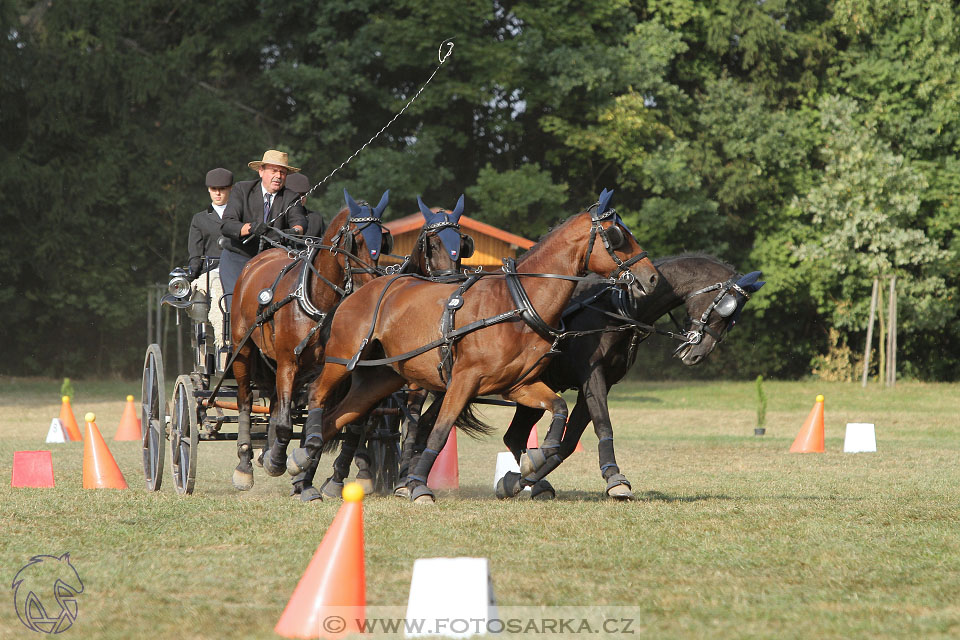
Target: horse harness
[(619, 276)]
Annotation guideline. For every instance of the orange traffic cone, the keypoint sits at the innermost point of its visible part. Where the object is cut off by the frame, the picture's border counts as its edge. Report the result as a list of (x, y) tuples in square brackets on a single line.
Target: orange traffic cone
[(32, 469), (100, 470), (68, 421), (331, 598), (810, 438), (533, 440), (445, 473), (129, 428)]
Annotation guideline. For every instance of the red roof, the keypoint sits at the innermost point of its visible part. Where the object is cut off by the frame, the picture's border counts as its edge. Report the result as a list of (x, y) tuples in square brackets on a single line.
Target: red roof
[(415, 221)]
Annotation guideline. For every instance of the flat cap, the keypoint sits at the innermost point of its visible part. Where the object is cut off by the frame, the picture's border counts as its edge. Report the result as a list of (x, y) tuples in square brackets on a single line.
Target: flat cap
[(298, 183), (219, 177)]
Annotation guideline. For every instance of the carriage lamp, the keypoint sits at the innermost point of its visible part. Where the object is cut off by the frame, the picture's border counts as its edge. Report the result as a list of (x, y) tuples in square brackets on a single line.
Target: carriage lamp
[(179, 285)]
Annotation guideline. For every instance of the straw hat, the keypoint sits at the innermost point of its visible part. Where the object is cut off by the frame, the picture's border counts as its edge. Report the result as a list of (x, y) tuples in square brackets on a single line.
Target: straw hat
[(273, 156)]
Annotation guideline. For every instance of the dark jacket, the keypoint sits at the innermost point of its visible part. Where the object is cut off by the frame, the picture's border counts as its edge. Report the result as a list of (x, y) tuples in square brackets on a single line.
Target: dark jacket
[(315, 224), (204, 241), (246, 205)]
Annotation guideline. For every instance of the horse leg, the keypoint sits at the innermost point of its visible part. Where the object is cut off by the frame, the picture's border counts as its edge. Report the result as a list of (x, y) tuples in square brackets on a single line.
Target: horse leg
[(367, 388), (594, 391), (418, 430), (361, 458), (458, 394), (333, 486), (275, 460), (243, 474), (535, 464), (519, 430)]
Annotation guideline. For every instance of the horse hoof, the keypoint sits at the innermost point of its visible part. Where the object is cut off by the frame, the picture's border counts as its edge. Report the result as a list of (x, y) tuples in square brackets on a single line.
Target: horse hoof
[(542, 490), (243, 480), (530, 461), (274, 468), (310, 494), (331, 488), (402, 492), (259, 460), (421, 494), (618, 487), (365, 483), (298, 461), (509, 485)]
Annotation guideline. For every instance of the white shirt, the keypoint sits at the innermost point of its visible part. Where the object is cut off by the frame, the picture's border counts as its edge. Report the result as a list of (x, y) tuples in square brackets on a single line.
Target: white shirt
[(219, 209)]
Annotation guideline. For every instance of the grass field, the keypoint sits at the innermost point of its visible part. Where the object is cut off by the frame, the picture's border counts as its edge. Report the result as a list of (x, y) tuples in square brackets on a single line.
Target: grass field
[(731, 536)]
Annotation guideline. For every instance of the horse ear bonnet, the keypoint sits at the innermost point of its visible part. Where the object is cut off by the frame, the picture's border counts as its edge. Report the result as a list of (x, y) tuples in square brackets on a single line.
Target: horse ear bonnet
[(751, 283), (372, 231), (449, 236)]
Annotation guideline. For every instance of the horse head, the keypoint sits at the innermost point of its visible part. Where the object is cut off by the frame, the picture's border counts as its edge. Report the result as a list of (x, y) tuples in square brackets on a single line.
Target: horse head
[(441, 246), (619, 253), (360, 236), (713, 310)]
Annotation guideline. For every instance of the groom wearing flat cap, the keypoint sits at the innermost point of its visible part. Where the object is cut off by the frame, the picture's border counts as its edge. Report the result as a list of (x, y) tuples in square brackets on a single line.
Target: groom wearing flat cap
[(256, 206)]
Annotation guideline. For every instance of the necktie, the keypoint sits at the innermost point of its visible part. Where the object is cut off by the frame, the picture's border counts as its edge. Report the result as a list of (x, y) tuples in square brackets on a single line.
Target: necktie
[(266, 206)]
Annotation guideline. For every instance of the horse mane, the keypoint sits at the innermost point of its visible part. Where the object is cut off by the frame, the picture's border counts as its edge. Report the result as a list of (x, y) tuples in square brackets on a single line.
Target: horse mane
[(533, 251), (657, 262)]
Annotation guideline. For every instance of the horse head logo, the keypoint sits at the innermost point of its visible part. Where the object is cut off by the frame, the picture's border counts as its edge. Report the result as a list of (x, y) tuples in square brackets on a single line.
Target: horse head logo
[(45, 593)]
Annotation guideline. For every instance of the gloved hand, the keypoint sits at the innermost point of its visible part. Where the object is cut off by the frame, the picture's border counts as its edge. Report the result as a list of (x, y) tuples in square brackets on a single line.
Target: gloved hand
[(258, 228), (292, 231)]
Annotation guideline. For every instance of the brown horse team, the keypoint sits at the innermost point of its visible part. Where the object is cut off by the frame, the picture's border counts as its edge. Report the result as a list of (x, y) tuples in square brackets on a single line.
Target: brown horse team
[(497, 332)]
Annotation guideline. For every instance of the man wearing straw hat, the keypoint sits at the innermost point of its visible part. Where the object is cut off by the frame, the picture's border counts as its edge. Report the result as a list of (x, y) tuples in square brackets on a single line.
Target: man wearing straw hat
[(255, 207)]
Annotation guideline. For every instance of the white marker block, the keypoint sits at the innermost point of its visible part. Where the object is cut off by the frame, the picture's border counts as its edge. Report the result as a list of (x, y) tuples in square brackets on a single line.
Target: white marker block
[(453, 597), (860, 438), (505, 463), (56, 434)]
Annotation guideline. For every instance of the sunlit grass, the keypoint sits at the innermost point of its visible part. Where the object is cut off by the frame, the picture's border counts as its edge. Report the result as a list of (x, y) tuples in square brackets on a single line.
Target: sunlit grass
[(731, 535)]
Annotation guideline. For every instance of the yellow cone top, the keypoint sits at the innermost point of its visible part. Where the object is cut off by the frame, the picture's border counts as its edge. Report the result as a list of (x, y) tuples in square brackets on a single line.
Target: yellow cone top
[(819, 398), (90, 417), (129, 398), (65, 399), (353, 492)]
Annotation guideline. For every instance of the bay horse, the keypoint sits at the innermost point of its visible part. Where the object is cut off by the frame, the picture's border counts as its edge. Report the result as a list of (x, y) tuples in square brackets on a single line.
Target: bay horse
[(714, 295), (506, 333), (280, 303)]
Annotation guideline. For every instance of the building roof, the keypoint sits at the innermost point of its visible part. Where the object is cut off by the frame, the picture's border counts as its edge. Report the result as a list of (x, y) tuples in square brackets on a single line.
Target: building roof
[(414, 221)]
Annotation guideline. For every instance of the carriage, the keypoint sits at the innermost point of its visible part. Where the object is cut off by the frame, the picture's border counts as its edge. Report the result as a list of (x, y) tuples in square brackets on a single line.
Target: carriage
[(198, 408), (190, 416)]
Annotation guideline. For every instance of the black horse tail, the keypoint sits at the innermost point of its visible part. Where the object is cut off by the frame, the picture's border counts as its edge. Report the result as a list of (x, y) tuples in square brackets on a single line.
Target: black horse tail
[(468, 421)]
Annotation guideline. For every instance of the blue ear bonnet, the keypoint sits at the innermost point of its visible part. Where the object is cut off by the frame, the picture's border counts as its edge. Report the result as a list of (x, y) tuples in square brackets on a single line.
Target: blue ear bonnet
[(449, 235), (368, 220), (750, 283), (603, 212)]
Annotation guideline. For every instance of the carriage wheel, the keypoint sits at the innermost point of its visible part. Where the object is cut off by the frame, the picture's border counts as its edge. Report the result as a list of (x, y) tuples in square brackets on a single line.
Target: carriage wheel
[(184, 435), (384, 446), (153, 417)]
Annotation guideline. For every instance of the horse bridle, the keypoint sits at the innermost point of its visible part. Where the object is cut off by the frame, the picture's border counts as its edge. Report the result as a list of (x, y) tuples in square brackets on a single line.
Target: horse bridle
[(350, 257), (622, 272), (432, 230), (725, 305)]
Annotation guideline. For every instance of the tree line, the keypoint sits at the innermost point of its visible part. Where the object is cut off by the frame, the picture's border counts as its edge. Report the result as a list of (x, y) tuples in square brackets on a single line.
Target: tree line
[(813, 140)]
